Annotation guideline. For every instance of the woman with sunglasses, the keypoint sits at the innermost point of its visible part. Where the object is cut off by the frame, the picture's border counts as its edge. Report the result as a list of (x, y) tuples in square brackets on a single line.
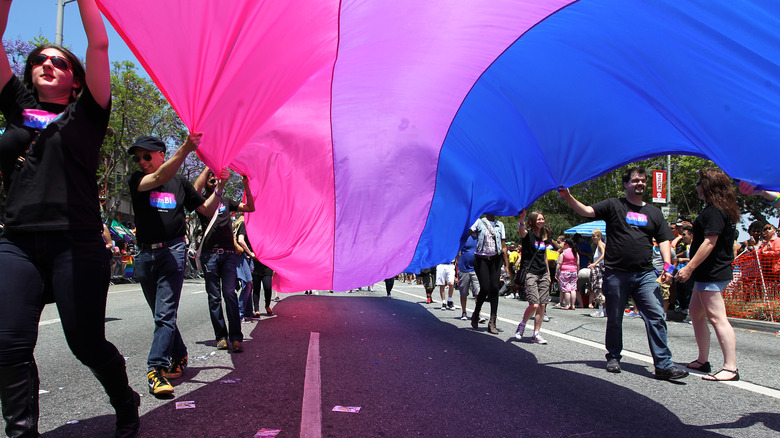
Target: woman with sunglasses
[(710, 266), (52, 249)]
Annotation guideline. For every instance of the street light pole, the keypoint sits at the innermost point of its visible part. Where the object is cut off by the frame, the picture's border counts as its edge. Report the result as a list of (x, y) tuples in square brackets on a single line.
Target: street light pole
[(60, 17)]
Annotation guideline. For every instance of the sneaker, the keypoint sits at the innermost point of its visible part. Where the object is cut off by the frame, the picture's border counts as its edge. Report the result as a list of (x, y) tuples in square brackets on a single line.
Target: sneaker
[(428, 300), (632, 314), (613, 366), (222, 344), (176, 369), (687, 320), (268, 311), (538, 339), (482, 320), (597, 315), (463, 317), (443, 305), (545, 318), (519, 331), (158, 384), (238, 347), (450, 305), (671, 373)]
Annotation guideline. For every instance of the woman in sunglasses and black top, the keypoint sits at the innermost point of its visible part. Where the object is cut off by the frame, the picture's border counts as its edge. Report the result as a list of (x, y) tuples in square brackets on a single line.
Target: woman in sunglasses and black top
[(52, 250)]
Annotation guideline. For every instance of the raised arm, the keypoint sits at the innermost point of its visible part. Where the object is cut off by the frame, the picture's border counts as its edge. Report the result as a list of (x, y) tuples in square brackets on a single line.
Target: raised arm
[(249, 206), (521, 225), (98, 67), (212, 202), (5, 67), (769, 196), (200, 182), (168, 169), (578, 207)]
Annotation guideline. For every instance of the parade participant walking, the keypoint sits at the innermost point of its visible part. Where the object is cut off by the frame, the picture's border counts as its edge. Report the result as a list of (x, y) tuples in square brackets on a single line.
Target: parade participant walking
[(710, 266), (467, 278), (52, 249), (218, 260), (490, 253), (159, 198), (535, 240), (631, 226)]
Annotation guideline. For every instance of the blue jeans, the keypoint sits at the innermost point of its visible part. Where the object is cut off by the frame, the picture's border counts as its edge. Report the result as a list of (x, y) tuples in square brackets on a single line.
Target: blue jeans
[(221, 268), (161, 274), (644, 290)]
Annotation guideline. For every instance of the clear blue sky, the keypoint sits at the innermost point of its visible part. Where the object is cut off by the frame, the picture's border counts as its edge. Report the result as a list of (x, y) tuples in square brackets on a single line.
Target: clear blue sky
[(30, 18)]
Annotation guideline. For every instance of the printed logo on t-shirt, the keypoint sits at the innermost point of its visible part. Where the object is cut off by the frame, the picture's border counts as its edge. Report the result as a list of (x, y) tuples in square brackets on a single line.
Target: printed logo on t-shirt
[(637, 219), (162, 200), (221, 208), (38, 119), (541, 246)]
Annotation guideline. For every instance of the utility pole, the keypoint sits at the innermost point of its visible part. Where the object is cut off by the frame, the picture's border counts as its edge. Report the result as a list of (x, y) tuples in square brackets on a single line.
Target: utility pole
[(60, 18)]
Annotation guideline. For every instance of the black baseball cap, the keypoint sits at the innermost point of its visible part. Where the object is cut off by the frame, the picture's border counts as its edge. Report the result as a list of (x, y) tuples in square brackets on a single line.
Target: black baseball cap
[(147, 142)]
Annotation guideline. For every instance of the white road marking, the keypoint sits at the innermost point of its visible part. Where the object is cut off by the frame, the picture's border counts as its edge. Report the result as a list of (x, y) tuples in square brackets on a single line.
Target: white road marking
[(49, 321), (640, 357), (311, 412)]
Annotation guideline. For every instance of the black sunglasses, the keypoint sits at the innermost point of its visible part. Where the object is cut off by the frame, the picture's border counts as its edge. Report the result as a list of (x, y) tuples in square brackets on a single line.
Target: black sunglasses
[(57, 61), (146, 157), (213, 180)]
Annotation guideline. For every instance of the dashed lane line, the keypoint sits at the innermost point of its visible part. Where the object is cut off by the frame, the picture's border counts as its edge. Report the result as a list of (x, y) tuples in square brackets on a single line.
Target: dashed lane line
[(311, 413)]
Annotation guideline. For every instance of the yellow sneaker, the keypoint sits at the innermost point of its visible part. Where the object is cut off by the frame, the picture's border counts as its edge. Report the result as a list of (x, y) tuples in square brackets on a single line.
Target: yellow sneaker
[(158, 384)]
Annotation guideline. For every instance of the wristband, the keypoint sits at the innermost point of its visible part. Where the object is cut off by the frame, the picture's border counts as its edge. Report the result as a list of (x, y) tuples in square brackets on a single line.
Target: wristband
[(773, 202), (668, 268), (219, 195)]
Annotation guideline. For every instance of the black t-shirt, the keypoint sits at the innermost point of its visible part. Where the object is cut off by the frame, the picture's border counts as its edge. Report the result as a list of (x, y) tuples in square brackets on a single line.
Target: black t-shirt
[(630, 233), (717, 266), (260, 270), (221, 234), (159, 212), (535, 252), (56, 188)]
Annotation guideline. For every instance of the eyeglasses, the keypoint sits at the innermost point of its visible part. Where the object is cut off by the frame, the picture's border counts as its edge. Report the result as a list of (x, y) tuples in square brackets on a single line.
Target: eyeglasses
[(57, 61), (146, 157)]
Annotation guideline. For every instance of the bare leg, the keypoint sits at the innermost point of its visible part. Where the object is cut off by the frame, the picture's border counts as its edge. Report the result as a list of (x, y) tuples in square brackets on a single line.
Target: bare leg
[(716, 315), (529, 311), (701, 331), (538, 317)]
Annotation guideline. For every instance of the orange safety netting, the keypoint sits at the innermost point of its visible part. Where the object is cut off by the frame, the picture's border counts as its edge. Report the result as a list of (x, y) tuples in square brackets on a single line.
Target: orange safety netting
[(755, 291)]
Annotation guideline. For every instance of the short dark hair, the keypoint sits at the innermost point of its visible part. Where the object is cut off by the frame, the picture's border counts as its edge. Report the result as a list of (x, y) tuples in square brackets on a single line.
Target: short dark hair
[(577, 237), (688, 228), (631, 170)]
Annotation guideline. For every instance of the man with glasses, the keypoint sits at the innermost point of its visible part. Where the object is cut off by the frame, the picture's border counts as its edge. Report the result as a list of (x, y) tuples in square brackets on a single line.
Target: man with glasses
[(631, 226), (218, 259), (159, 197)]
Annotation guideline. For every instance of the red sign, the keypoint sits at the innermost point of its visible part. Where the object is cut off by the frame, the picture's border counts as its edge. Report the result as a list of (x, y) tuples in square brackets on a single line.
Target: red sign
[(659, 186)]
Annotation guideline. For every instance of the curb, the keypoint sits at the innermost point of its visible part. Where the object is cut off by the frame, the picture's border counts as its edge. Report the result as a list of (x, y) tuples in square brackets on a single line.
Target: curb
[(751, 324)]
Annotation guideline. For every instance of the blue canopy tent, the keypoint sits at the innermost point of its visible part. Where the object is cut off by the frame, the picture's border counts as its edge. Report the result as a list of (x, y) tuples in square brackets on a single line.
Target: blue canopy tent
[(587, 228)]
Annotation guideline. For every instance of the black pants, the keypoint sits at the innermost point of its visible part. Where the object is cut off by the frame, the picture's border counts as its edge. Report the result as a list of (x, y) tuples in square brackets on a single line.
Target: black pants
[(264, 282), (70, 268), (488, 271)]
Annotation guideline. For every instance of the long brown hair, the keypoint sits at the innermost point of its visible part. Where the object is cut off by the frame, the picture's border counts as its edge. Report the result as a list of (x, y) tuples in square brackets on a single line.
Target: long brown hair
[(530, 224), (718, 190)]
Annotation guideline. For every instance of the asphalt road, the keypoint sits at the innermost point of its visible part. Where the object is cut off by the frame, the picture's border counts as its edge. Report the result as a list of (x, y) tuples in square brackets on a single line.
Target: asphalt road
[(413, 369)]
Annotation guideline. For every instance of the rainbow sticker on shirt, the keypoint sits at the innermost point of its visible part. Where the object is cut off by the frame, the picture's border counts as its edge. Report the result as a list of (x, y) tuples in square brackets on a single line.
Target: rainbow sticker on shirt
[(162, 200), (541, 246), (38, 119), (637, 219)]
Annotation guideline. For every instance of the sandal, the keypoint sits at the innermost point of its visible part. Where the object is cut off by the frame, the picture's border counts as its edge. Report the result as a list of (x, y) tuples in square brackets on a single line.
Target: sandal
[(698, 366), (711, 377)]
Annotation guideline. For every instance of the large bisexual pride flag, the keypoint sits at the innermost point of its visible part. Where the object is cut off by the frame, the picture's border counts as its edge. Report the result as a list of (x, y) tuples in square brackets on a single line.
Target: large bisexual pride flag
[(375, 132)]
